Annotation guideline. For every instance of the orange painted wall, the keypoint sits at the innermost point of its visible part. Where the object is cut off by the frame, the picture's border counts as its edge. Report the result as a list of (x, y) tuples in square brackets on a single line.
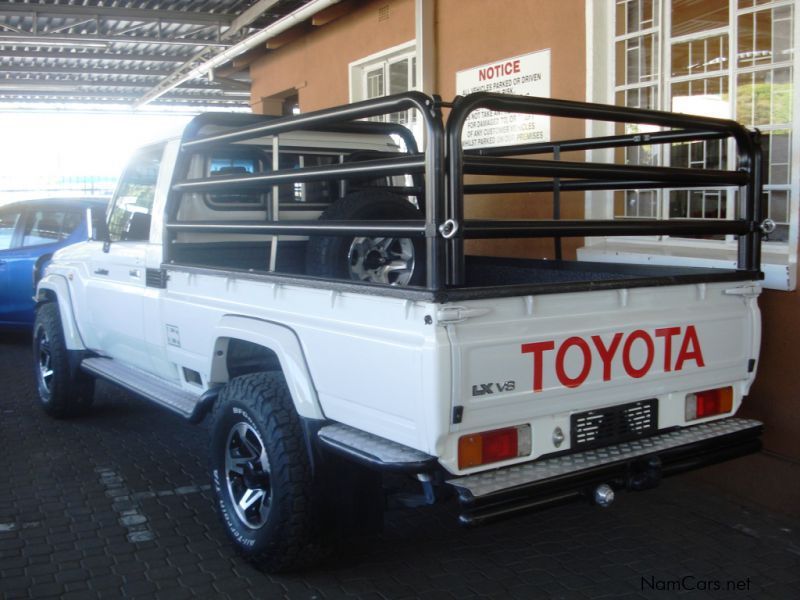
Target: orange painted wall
[(317, 64)]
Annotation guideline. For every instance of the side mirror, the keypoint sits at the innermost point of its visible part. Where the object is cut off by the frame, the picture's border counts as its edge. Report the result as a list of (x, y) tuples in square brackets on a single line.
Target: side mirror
[(97, 228)]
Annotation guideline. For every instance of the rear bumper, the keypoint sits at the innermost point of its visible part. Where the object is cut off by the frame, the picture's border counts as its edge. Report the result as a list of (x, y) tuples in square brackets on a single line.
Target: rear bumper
[(638, 464)]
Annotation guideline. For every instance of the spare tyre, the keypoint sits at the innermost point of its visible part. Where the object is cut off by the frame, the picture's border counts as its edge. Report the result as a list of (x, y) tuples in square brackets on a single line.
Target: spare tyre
[(388, 260)]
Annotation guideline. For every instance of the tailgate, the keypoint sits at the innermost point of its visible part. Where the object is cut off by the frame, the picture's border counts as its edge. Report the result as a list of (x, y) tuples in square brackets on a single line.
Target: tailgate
[(539, 359)]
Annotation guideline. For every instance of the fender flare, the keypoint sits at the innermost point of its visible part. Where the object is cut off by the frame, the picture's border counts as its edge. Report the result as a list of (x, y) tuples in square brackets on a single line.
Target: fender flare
[(50, 286), (284, 342)]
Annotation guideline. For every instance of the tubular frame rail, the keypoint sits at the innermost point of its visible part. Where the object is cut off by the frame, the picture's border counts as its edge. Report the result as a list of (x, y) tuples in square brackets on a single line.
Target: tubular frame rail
[(585, 176), (341, 120), (444, 163)]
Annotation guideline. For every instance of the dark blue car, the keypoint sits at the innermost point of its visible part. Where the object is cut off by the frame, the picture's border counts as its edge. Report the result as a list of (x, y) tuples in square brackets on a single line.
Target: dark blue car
[(30, 232)]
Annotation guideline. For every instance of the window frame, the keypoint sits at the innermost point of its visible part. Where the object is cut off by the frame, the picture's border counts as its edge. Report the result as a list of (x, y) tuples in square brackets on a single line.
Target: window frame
[(357, 78), (779, 258)]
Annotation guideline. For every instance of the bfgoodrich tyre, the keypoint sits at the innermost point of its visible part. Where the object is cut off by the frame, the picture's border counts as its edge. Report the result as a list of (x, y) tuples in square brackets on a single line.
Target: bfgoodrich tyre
[(261, 475), (62, 392)]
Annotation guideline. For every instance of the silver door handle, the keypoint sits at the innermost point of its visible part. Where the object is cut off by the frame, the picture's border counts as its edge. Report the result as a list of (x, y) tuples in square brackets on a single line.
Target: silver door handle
[(135, 273), (101, 271)]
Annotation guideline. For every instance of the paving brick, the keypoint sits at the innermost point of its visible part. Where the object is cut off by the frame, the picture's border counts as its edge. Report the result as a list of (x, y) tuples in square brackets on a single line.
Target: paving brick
[(74, 538)]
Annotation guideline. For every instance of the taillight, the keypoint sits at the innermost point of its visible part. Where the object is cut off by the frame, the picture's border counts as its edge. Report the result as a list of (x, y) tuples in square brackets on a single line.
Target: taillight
[(709, 403), (493, 446)]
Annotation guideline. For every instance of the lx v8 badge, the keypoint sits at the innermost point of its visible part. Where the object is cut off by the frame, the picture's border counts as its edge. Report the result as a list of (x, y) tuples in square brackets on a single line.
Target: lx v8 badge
[(490, 388)]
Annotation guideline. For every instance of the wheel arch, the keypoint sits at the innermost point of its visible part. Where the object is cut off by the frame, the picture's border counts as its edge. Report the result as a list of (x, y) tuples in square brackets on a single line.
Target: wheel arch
[(54, 288), (244, 345)]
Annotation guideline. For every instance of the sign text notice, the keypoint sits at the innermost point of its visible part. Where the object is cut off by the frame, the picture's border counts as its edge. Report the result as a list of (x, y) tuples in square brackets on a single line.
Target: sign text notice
[(526, 75)]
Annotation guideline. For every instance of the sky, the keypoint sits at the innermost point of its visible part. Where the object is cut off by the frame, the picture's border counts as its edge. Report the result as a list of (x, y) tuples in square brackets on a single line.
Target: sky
[(39, 149)]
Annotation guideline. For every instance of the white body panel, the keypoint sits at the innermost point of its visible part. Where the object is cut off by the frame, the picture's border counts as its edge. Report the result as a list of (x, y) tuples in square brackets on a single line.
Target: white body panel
[(372, 362), (401, 369)]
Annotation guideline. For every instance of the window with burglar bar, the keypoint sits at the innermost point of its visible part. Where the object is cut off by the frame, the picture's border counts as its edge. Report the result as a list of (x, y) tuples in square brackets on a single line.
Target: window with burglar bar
[(727, 59)]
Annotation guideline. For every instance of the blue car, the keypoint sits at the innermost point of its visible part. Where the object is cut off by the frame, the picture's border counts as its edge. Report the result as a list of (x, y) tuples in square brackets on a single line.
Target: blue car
[(30, 231)]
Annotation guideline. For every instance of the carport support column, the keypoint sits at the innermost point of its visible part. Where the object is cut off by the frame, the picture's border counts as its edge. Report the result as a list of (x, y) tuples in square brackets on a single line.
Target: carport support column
[(424, 12)]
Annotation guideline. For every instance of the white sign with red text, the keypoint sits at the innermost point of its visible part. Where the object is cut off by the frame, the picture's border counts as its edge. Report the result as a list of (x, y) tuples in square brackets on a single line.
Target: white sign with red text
[(525, 75)]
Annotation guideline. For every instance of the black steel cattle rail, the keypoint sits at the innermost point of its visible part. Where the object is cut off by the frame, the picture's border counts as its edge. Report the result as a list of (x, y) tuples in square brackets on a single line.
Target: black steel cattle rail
[(445, 162)]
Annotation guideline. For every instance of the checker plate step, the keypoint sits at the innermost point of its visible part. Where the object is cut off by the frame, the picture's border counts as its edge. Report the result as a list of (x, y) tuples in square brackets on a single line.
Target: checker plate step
[(372, 449), (143, 384), (505, 479)]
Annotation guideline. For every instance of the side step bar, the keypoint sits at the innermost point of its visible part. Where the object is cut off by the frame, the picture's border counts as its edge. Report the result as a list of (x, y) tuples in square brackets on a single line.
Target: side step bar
[(172, 397), (372, 450), (637, 464)]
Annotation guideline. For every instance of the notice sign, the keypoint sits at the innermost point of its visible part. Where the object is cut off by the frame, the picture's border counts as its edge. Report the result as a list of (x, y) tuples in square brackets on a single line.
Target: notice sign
[(526, 75)]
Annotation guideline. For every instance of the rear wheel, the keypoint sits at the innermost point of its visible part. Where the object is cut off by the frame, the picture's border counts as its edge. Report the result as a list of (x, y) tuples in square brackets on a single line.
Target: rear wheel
[(62, 392), (261, 474), (388, 260)]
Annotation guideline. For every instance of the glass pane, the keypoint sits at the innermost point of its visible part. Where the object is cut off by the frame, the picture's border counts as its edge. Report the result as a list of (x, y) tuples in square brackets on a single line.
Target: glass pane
[(44, 227), (691, 16), (700, 56), (8, 223), (375, 83), (130, 216), (765, 97), (707, 97), (678, 204), (777, 150), (765, 37), (778, 209), (398, 76)]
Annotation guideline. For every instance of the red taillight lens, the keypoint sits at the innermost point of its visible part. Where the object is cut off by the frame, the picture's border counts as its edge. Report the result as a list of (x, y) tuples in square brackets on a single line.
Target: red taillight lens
[(493, 446), (709, 403)]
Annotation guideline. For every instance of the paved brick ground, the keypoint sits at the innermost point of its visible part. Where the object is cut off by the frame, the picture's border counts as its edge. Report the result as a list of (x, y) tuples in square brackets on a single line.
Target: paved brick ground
[(75, 496)]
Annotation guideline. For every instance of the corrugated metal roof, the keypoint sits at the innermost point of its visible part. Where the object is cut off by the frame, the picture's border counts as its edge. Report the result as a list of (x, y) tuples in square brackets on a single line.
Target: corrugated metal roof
[(113, 52)]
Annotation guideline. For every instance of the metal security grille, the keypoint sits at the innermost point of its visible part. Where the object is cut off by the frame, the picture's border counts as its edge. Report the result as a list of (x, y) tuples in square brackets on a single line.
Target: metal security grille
[(615, 424)]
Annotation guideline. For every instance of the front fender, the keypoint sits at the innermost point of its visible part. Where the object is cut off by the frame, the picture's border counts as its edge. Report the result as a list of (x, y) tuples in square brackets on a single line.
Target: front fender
[(55, 287), (284, 343)]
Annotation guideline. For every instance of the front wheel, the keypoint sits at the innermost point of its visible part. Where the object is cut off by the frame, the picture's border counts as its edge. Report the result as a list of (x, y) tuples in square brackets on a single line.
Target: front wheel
[(261, 473), (62, 392)]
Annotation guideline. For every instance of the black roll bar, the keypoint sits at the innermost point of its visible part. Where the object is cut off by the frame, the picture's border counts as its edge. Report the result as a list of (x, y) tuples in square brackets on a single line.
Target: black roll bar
[(338, 119), (689, 127)]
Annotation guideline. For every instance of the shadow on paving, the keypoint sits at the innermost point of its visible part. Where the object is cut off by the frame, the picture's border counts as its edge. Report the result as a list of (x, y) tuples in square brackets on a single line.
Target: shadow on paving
[(76, 495)]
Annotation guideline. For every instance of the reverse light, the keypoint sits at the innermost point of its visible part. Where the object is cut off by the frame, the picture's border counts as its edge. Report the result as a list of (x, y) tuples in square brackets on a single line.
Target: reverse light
[(493, 446), (709, 403)]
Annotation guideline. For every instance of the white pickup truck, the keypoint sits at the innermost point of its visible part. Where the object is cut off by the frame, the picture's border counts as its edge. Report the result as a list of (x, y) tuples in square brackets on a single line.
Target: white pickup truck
[(304, 282)]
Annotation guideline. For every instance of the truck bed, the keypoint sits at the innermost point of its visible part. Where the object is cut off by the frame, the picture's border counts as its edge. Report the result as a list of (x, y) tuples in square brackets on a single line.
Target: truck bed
[(486, 277)]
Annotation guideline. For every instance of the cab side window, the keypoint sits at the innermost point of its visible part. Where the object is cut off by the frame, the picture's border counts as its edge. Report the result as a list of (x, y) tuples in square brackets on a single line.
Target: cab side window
[(130, 216), (8, 224)]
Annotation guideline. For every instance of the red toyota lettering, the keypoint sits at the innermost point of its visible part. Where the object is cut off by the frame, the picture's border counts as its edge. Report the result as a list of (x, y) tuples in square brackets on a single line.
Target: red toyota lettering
[(685, 353), (639, 334), (561, 373), (668, 333), (537, 349), (607, 353)]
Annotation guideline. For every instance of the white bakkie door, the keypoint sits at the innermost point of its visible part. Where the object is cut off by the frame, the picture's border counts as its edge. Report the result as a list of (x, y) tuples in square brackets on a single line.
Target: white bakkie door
[(116, 281)]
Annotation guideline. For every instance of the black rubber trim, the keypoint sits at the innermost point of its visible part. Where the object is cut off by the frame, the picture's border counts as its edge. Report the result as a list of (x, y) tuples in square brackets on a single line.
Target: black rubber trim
[(557, 490), (368, 460)]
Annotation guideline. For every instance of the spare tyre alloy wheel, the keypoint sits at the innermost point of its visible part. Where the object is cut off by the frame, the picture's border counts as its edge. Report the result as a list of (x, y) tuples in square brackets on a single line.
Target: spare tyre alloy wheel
[(382, 260), (398, 261)]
